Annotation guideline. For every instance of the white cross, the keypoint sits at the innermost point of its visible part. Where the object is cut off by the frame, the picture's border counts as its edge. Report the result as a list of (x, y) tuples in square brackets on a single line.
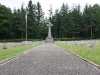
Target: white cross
[(49, 28)]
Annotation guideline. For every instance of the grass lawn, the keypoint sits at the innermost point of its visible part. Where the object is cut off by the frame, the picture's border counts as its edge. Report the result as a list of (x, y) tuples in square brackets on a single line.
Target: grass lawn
[(84, 51), (10, 52)]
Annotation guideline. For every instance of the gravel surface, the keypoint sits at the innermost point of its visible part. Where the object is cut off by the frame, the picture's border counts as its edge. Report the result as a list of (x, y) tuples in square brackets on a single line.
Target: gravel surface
[(48, 59)]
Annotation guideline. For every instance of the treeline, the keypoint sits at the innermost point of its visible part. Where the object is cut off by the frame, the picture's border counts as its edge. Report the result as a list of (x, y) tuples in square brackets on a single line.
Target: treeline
[(67, 22), (13, 25)]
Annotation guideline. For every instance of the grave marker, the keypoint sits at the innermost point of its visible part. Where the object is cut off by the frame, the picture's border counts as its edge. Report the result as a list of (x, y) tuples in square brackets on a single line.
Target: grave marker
[(14, 46), (4, 47), (49, 38)]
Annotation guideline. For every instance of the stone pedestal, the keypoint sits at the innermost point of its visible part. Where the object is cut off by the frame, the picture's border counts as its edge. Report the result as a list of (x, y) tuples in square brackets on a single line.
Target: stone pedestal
[(49, 40)]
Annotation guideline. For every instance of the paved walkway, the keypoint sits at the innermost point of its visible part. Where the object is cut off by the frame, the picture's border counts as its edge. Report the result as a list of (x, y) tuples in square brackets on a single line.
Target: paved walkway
[(48, 59)]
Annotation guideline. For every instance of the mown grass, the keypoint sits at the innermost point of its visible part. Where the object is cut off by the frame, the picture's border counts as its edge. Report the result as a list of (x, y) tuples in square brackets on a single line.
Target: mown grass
[(84, 51), (10, 52)]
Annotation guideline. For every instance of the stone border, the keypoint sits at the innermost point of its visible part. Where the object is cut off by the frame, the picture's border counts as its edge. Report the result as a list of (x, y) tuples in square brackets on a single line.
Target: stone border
[(90, 62), (9, 59)]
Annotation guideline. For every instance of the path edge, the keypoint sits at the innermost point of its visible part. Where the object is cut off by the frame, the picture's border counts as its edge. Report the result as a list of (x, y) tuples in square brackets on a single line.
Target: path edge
[(9, 59), (90, 62)]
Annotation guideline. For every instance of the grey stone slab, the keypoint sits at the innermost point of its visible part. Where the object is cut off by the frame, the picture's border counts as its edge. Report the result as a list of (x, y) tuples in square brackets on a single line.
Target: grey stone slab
[(48, 59)]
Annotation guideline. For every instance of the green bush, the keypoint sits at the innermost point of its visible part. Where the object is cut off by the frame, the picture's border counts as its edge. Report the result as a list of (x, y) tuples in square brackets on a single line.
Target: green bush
[(19, 40), (70, 39)]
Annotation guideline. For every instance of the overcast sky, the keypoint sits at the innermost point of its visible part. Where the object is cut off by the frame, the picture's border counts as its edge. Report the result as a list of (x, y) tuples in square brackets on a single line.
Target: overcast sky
[(46, 3)]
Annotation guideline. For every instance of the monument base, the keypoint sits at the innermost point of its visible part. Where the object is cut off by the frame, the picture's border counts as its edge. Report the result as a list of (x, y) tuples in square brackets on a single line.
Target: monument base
[(49, 40)]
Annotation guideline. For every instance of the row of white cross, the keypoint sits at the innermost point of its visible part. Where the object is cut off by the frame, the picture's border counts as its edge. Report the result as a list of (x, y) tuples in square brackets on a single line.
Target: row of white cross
[(90, 43), (4, 46)]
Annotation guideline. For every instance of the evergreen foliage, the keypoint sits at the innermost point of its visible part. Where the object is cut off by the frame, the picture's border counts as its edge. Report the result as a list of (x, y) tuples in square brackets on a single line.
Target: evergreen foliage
[(67, 23)]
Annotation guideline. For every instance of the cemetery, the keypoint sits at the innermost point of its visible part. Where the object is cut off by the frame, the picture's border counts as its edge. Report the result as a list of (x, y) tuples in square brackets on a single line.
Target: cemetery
[(11, 49), (88, 49), (67, 42)]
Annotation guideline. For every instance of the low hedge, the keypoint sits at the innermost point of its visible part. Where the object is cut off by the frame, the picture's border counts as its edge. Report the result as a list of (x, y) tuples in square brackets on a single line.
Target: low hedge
[(19, 40), (70, 39), (55, 39)]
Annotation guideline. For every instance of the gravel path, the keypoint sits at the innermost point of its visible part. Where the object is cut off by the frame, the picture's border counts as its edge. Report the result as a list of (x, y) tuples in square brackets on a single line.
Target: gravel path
[(48, 59)]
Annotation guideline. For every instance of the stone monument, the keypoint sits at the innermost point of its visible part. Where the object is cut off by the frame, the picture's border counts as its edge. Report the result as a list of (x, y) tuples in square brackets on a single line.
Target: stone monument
[(49, 38)]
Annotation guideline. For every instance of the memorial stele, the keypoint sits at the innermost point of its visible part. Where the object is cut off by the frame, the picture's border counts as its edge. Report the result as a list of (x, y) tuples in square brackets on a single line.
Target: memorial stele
[(49, 38)]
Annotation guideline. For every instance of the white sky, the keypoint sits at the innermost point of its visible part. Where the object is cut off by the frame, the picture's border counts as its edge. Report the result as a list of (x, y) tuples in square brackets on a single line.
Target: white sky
[(46, 3)]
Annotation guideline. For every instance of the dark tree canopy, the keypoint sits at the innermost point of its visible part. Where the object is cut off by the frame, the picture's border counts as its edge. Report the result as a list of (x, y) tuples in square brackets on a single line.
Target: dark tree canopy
[(67, 22)]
